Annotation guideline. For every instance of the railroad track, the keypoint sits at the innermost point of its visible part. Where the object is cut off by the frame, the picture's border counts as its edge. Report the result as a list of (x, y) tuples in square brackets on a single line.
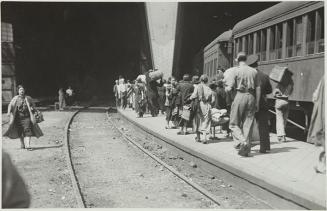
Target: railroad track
[(78, 194), (263, 195), (81, 203), (209, 195), (198, 188)]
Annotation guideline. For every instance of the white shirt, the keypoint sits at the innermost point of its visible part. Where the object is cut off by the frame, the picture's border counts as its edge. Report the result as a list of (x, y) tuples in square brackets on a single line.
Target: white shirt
[(69, 92)]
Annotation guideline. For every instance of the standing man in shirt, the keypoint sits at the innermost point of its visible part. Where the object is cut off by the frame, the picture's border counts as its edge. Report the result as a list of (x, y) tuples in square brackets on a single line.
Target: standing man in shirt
[(69, 93), (245, 104), (115, 90)]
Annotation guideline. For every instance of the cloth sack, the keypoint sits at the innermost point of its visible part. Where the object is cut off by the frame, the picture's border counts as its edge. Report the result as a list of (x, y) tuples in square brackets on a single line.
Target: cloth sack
[(219, 116), (186, 113)]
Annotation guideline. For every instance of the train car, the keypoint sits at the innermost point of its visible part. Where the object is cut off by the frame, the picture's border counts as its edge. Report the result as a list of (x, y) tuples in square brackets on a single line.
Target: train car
[(218, 54), (8, 63), (197, 63), (289, 34)]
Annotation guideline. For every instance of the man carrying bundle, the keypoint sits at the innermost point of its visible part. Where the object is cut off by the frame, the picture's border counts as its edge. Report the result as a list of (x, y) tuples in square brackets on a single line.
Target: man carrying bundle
[(152, 91)]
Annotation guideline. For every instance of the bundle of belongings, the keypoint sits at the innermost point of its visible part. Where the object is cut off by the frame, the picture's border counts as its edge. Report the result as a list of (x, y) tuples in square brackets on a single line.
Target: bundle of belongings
[(219, 117), (142, 77)]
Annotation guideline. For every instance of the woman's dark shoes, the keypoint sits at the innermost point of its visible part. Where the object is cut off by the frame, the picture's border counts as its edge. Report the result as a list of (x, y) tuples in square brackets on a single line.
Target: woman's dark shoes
[(181, 133)]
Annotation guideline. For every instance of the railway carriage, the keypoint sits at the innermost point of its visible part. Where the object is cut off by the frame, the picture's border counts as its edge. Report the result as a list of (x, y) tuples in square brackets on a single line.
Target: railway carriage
[(289, 34), (218, 54)]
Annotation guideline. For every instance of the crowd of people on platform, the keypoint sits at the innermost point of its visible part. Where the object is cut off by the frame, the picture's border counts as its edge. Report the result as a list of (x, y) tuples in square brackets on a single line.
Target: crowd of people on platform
[(235, 101)]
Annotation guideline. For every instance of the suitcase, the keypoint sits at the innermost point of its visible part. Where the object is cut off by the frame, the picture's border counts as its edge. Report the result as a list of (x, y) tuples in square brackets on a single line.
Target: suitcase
[(280, 75)]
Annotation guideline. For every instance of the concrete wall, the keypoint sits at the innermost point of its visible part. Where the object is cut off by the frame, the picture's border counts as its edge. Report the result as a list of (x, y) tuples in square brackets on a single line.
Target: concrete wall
[(162, 18)]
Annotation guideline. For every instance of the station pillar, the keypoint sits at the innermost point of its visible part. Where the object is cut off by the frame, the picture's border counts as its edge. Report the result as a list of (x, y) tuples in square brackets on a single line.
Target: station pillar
[(161, 21)]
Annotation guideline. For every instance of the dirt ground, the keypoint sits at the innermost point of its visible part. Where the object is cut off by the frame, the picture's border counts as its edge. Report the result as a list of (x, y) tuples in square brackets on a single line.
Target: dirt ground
[(44, 169), (223, 185), (113, 173)]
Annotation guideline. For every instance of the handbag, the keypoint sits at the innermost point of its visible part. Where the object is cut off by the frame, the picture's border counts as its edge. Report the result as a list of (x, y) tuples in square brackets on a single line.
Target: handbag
[(35, 115), (38, 116)]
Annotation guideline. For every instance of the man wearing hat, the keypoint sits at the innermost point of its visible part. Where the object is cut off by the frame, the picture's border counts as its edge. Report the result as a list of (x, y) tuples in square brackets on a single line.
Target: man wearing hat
[(245, 81), (193, 118), (152, 94), (185, 89), (262, 116)]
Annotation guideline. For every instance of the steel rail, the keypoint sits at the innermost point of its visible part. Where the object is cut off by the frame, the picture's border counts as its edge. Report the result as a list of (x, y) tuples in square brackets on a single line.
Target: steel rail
[(78, 194), (290, 121), (185, 179)]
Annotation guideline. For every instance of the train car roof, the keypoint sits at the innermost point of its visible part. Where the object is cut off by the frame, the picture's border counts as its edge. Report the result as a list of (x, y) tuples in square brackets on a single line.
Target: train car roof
[(270, 13), (224, 37)]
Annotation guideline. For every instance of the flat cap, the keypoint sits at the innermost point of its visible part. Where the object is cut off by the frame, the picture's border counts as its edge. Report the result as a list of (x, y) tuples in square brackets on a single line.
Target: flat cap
[(252, 59)]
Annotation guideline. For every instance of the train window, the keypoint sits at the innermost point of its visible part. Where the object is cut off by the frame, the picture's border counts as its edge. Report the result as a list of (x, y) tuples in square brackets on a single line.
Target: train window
[(311, 28), (250, 46), (235, 47), (205, 69), (272, 44), (298, 36), (263, 44), (245, 44), (279, 40), (215, 65), (320, 30), (258, 44), (289, 38), (240, 45)]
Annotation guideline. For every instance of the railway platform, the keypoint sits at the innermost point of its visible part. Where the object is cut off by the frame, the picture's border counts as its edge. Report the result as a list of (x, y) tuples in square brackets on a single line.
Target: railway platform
[(287, 170)]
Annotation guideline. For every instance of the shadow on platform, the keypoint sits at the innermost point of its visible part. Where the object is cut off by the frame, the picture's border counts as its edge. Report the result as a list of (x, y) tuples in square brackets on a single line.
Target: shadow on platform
[(46, 147), (273, 151)]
